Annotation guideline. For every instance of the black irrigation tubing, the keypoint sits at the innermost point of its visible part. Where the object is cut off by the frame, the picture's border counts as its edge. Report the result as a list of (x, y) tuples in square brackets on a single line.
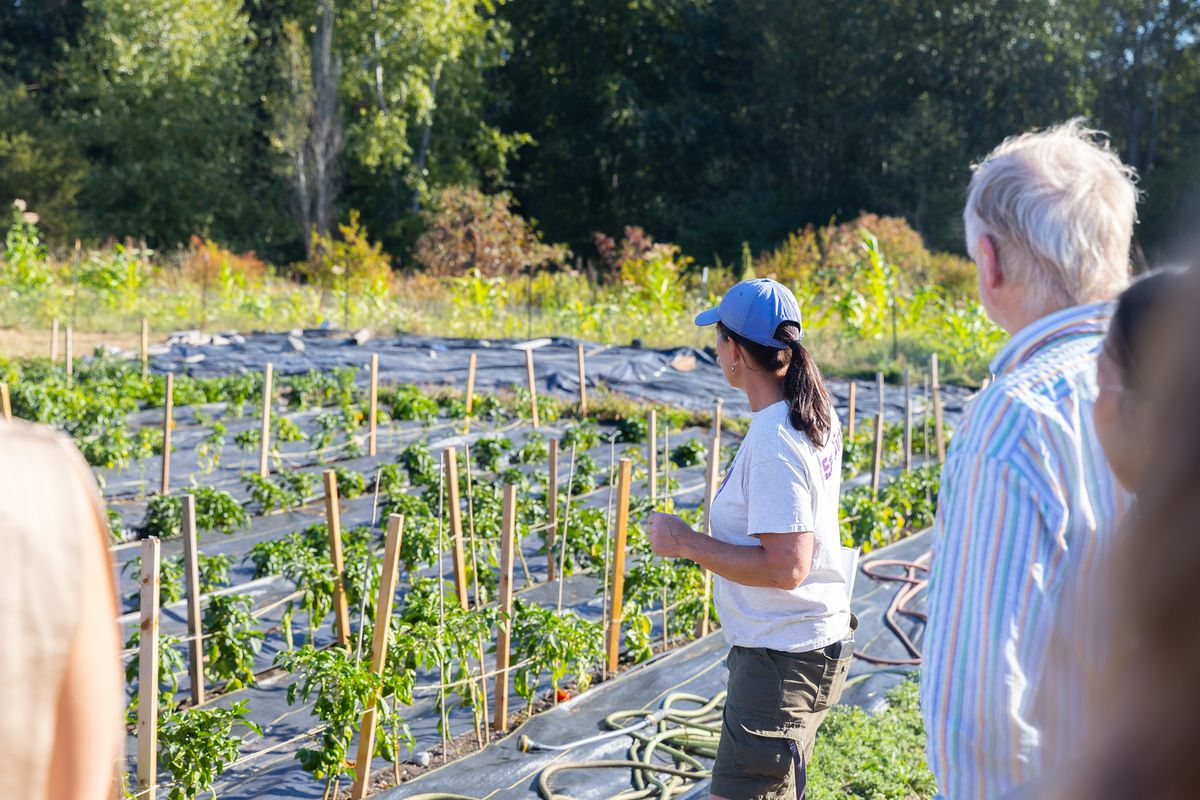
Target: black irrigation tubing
[(899, 605)]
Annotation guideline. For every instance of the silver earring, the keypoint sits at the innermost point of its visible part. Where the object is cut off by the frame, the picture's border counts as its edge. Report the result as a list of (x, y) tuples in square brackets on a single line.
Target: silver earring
[(733, 368)]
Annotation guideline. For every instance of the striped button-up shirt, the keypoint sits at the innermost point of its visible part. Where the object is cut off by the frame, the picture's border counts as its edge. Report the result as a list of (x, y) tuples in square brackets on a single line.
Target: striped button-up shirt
[(1027, 512)]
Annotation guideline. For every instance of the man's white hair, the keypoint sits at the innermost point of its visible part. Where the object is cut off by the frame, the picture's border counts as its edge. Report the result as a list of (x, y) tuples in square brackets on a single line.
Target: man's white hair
[(1059, 207)]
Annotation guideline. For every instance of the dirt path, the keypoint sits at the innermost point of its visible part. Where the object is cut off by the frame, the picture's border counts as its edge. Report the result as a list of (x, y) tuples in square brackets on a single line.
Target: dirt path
[(17, 342)]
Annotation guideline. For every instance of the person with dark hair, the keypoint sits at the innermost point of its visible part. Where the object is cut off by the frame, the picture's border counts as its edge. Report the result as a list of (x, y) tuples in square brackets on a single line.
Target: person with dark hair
[(779, 586), (1123, 371)]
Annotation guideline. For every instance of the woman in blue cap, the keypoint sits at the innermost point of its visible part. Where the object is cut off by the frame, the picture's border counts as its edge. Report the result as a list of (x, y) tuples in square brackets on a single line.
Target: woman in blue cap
[(775, 549)]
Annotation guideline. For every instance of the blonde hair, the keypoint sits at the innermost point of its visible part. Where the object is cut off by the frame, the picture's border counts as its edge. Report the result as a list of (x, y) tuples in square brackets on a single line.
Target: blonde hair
[(1059, 207)]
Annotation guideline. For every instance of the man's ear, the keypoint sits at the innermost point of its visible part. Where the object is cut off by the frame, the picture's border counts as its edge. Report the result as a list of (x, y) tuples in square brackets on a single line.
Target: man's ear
[(991, 275)]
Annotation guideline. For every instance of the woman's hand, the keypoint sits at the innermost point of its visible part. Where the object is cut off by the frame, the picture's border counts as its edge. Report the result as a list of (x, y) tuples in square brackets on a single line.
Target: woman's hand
[(668, 534)]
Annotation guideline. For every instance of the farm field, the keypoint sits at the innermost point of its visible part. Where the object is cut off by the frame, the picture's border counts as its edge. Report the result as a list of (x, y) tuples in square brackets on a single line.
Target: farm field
[(282, 703)]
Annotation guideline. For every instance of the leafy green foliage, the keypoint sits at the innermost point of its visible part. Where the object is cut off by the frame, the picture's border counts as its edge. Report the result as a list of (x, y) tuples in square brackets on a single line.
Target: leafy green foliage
[(689, 454), (906, 503), (350, 482), (216, 510), (214, 571), (873, 755), (584, 480), (532, 451), (231, 639), (340, 689), (548, 641), (289, 489), (170, 579), (171, 664), (583, 436), (418, 462), (489, 450), (208, 451), (195, 746), (633, 429), (408, 403)]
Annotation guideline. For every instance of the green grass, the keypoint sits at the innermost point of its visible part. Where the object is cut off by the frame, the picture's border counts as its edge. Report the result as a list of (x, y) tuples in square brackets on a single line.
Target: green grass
[(873, 756)]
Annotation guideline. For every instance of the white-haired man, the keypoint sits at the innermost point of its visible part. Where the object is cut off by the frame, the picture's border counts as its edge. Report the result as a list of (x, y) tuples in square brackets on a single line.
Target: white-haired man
[(1028, 507)]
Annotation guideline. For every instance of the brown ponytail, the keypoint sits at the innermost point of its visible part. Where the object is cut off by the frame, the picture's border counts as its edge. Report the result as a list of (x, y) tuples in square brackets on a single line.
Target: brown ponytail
[(803, 387)]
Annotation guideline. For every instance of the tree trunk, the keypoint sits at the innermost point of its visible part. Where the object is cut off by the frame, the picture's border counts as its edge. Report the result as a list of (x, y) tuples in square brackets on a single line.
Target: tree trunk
[(423, 149), (325, 139)]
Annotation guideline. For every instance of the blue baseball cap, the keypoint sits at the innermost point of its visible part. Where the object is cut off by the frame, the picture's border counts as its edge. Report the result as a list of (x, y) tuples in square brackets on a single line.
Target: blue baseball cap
[(754, 309)]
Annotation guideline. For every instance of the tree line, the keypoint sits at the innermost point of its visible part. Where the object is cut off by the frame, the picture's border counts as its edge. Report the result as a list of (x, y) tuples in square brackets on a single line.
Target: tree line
[(710, 123)]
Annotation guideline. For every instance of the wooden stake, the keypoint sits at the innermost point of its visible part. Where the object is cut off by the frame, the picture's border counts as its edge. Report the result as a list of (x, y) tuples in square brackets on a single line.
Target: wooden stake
[(908, 422), (333, 518), (70, 354), (939, 436), (168, 424), (533, 408), (582, 380), (618, 574), (5, 402), (877, 458), (145, 348), (191, 574), (850, 414), (710, 492), (147, 724), (373, 412), (265, 440), (470, 390), (54, 341), (504, 627), (450, 460), (379, 643), (652, 438), (552, 511)]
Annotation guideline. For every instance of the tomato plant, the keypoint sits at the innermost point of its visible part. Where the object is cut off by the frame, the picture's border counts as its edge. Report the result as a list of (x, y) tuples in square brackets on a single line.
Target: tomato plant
[(488, 452), (555, 642), (214, 571), (633, 429), (532, 451), (419, 464), (170, 579), (195, 746), (231, 639), (581, 436), (408, 403), (350, 482), (171, 664), (340, 689), (208, 451), (689, 454)]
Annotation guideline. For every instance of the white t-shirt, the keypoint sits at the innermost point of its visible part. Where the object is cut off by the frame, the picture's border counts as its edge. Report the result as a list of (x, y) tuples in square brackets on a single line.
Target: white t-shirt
[(780, 483)]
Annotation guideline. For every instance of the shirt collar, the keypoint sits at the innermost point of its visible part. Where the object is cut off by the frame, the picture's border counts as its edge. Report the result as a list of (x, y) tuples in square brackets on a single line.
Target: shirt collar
[(1085, 320)]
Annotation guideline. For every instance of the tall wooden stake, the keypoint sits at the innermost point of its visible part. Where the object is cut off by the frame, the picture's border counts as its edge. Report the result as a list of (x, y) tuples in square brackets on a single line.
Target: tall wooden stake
[(145, 348), (265, 438), (191, 574), (508, 535), (583, 406), (908, 422), (618, 574), (652, 438), (5, 402), (168, 423), (379, 643), (710, 492), (552, 511), (373, 412), (877, 459), (533, 408), (450, 460), (70, 354), (939, 435), (470, 391), (147, 723), (850, 414), (333, 518)]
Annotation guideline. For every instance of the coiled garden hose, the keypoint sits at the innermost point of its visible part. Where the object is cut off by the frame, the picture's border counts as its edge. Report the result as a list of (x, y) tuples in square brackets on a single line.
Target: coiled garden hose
[(681, 734)]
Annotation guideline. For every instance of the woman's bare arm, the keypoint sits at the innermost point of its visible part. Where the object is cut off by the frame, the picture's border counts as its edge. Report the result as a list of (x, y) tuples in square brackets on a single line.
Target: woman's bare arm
[(781, 561)]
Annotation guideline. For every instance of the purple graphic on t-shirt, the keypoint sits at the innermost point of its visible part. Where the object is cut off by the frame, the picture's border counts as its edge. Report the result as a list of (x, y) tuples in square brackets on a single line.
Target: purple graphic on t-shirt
[(835, 448)]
